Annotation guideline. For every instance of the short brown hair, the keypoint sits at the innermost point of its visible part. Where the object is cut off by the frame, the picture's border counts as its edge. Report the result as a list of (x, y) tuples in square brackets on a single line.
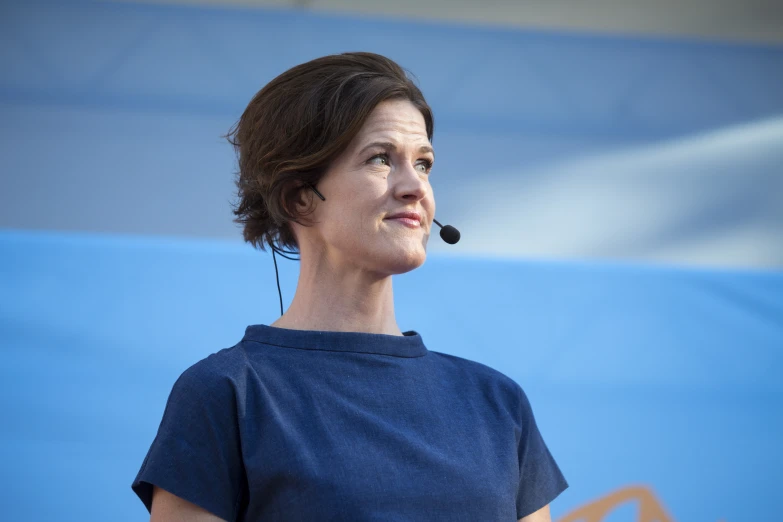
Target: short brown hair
[(296, 125)]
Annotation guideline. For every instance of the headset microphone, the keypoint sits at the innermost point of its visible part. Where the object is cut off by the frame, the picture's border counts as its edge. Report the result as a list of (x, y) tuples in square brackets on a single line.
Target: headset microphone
[(448, 233)]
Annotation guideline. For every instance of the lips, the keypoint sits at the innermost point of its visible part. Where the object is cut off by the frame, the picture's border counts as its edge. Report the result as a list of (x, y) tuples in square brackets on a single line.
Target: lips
[(409, 219)]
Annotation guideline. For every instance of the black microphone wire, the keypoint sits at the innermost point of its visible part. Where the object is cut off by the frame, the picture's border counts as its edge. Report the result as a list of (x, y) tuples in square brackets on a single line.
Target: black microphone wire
[(277, 278), (286, 254)]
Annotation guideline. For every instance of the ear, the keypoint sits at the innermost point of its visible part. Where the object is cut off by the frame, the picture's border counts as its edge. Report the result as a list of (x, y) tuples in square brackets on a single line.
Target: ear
[(300, 200), (303, 200)]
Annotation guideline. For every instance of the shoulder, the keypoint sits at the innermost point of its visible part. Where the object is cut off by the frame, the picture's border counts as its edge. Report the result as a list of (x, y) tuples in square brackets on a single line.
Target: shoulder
[(486, 377), (214, 376), (476, 369)]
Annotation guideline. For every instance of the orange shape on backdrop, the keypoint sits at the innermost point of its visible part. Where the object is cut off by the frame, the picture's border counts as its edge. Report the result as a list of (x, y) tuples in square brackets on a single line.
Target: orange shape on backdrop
[(650, 509)]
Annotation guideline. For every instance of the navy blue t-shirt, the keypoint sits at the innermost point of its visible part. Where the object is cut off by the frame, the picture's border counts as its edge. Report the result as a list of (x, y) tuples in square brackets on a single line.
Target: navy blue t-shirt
[(293, 425)]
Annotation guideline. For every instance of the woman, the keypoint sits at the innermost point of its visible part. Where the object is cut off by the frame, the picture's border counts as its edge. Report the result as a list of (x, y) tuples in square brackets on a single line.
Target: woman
[(332, 412)]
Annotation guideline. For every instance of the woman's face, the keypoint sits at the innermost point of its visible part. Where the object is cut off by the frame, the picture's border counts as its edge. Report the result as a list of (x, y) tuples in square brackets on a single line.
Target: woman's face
[(383, 172)]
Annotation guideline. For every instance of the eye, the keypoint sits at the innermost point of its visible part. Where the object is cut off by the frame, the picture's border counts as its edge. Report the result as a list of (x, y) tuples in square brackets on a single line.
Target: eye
[(379, 159), (424, 166)]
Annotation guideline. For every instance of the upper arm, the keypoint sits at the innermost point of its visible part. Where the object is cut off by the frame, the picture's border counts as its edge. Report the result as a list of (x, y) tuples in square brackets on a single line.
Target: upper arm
[(167, 507), (542, 515), (540, 478), (196, 454)]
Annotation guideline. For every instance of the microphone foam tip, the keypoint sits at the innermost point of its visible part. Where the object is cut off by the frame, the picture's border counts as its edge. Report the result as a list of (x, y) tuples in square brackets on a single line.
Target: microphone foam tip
[(449, 234)]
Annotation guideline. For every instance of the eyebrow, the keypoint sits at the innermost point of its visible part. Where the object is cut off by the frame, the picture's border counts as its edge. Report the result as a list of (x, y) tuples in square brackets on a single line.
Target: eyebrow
[(391, 146)]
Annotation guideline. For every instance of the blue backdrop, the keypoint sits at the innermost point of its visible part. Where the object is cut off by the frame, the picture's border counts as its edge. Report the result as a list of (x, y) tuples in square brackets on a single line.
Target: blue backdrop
[(110, 123), (668, 378), (582, 145)]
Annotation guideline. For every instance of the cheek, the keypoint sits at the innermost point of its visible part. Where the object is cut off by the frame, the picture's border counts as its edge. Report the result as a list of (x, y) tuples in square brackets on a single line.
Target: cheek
[(367, 202), (353, 217)]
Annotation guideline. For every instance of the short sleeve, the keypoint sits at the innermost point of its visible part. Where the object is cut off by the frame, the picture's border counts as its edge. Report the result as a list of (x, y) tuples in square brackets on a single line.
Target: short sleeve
[(541, 480), (196, 454)]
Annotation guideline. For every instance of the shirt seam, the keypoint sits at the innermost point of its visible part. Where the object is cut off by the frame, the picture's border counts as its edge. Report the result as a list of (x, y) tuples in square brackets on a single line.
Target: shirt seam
[(338, 351)]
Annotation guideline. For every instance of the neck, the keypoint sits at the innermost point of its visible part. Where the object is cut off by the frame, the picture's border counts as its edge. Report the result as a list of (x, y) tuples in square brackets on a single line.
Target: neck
[(334, 296)]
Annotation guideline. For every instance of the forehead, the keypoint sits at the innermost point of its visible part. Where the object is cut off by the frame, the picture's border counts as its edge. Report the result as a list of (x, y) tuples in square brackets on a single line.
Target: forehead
[(398, 120)]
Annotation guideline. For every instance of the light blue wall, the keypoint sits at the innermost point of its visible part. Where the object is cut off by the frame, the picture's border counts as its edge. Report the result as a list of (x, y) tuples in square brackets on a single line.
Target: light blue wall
[(598, 146), (637, 375)]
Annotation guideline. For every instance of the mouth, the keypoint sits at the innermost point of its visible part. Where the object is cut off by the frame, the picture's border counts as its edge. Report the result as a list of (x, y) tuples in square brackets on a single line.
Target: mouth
[(408, 222), (408, 219)]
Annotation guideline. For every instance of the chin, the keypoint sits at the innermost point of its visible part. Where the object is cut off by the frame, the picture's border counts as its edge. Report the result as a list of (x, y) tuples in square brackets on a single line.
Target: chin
[(402, 260)]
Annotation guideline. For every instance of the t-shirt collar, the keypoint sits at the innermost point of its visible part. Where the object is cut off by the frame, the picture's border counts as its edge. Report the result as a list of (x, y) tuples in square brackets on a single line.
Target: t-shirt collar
[(409, 344)]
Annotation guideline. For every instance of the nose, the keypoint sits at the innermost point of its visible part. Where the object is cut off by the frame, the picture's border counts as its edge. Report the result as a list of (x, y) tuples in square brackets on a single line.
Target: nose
[(410, 185)]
